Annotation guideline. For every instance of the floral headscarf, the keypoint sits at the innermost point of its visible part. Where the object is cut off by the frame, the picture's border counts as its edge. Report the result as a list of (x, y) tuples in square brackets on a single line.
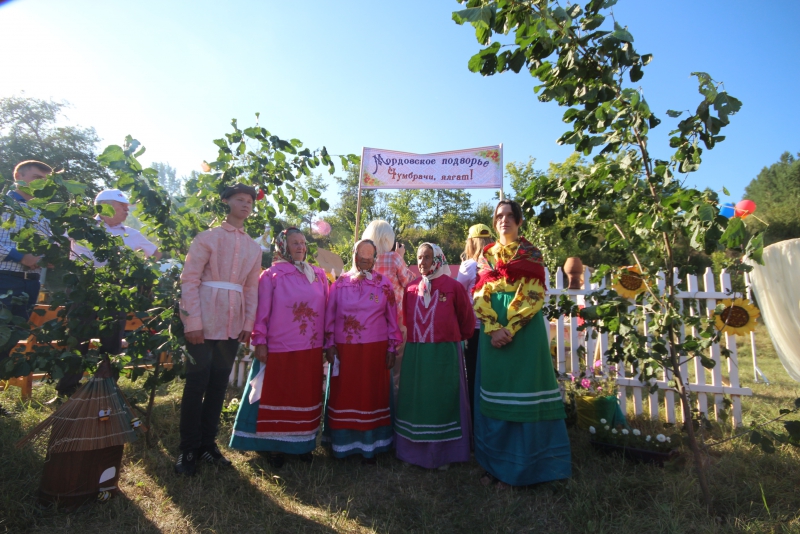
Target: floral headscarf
[(438, 268), (282, 254), (355, 272)]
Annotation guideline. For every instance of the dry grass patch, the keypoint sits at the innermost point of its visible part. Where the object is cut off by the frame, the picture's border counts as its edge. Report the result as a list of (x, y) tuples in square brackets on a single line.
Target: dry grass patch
[(753, 492)]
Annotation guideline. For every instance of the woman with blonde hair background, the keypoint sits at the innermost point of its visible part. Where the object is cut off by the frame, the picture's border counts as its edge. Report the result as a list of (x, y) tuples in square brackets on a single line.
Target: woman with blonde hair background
[(391, 263), (478, 237)]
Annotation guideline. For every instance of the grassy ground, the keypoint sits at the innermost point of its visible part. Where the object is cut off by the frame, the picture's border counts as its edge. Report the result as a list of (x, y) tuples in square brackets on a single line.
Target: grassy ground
[(753, 492)]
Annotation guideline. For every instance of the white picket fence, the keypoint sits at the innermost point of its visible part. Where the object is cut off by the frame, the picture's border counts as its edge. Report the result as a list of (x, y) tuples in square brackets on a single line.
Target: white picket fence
[(709, 385), (241, 367)]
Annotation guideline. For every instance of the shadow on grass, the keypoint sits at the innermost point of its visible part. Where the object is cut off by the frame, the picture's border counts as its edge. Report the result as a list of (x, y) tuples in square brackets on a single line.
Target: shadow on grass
[(21, 472), (245, 498)]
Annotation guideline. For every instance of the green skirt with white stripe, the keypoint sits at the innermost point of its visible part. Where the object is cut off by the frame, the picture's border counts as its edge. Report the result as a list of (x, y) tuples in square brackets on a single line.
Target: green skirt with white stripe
[(518, 382), (428, 403)]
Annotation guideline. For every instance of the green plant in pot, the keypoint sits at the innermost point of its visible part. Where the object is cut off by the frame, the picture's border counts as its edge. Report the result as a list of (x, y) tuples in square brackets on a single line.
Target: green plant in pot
[(593, 395)]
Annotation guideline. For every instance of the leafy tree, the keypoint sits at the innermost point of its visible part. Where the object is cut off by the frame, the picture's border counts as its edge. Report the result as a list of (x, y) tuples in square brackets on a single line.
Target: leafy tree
[(776, 192), (168, 179), (30, 129), (129, 283), (583, 62), (404, 209)]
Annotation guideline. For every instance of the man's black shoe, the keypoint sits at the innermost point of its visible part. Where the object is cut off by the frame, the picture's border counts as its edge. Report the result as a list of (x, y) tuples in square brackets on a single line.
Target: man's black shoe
[(212, 455), (187, 463)]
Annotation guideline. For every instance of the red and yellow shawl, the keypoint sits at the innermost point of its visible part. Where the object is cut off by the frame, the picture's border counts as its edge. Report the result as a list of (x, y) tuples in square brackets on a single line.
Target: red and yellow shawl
[(513, 267)]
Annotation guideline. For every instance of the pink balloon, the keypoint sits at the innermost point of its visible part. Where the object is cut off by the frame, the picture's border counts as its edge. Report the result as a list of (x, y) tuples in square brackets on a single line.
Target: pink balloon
[(745, 208), (321, 227)]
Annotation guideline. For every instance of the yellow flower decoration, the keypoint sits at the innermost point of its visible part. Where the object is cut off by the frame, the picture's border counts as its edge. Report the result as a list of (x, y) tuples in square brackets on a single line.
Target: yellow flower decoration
[(738, 317), (330, 277), (629, 283)]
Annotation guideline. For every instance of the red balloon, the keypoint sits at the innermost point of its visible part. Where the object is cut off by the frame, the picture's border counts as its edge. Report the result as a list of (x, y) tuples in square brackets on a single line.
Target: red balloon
[(745, 208)]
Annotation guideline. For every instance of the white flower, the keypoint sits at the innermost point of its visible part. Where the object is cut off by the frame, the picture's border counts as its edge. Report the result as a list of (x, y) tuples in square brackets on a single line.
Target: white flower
[(637, 432), (592, 430), (661, 438), (614, 431), (606, 427), (603, 421), (625, 431), (648, 438), (669, 440)]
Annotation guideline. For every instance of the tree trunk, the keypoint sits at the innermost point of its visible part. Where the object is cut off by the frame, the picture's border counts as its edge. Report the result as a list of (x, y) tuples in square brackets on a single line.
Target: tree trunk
[(156, 372), (687, 418)]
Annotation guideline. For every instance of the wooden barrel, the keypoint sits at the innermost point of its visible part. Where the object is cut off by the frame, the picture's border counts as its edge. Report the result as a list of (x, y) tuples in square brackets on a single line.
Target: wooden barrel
[(74, 478)]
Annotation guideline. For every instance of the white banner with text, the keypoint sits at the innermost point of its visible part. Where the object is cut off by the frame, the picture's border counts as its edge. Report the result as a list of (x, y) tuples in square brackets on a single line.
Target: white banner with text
[(457, 169)]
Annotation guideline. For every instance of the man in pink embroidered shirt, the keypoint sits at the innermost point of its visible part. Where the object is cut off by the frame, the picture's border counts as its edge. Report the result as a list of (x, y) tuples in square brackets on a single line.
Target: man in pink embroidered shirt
[(219, 296)]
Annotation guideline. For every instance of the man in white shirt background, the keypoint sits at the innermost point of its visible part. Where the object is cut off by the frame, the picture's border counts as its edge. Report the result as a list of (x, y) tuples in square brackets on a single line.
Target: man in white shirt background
[(133, 239)]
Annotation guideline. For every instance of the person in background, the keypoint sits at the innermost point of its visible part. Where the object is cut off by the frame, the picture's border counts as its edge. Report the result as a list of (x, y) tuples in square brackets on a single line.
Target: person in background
[(281, 408), (433, 425), (111, 341), (133, 238), (19, 270), (520, 433), (391, 264), (219, 296), (361, 339), (478, 237)]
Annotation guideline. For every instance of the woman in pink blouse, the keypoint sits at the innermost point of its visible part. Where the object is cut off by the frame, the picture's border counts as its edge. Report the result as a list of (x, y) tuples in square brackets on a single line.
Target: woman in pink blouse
[(361, 338), (391, 263), (433, 423), (281, 408)]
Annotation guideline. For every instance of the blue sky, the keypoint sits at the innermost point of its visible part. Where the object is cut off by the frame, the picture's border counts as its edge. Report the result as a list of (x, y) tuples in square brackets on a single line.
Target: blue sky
[(390, 75)]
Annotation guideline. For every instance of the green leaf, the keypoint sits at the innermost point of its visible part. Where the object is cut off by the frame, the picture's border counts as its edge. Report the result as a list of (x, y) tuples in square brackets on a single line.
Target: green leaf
[(621, 33), (590, 23), (755, 437), (479, 17), (674, 114), (636, 73), (706, 212), (725, 190), (74, 188), (755, 248), (734, 234), (793, 428)]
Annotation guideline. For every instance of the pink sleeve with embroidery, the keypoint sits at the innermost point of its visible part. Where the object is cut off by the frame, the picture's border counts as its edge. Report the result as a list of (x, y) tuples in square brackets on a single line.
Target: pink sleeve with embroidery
[(395, 336), (330, 317)]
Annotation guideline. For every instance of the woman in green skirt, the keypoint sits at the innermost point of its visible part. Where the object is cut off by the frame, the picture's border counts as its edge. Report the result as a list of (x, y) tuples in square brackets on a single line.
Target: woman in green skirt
[(433, 426), (520, 434)]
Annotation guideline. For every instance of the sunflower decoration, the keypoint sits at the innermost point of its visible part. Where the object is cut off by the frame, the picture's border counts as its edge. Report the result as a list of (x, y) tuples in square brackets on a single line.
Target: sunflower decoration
[(629, 282), (738, 317)]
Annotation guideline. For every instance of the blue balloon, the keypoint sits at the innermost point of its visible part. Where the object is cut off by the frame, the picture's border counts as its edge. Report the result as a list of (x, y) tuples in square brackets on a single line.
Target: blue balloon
[(727, 210)]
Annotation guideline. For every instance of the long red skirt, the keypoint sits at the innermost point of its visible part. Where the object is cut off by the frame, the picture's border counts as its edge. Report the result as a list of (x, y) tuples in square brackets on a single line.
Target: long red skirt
[(291, 397), (359, 395)]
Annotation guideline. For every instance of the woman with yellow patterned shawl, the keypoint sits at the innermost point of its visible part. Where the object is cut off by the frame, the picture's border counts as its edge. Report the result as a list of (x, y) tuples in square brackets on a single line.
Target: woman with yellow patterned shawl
[(520, 434)]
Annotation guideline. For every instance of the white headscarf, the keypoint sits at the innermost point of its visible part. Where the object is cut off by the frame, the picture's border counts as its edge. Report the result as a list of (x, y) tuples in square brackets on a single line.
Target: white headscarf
[(355, 272), (438, 268), (282, 255)]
